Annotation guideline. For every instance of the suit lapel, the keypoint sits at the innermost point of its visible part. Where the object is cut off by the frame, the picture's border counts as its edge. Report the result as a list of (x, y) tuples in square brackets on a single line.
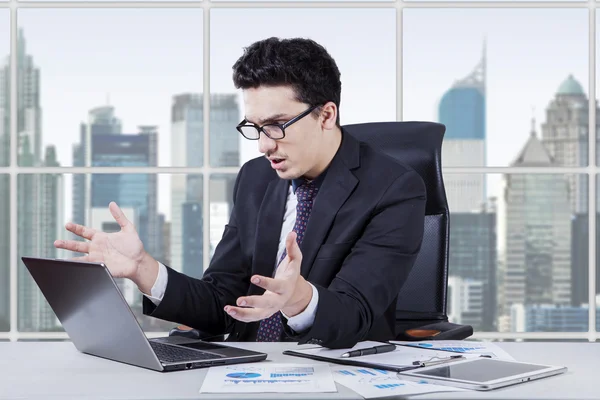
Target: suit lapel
[(334, 191), (270, 220)]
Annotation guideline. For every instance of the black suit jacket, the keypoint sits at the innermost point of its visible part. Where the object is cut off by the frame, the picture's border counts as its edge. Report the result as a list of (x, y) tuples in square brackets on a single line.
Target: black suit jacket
[(361, 241)]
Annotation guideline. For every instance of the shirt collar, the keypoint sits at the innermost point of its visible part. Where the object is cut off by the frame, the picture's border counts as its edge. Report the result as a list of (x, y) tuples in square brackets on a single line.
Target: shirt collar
[(317, 181)]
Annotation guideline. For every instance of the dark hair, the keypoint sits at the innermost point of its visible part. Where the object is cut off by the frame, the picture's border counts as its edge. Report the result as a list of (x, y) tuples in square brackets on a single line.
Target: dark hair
[(300, 63)]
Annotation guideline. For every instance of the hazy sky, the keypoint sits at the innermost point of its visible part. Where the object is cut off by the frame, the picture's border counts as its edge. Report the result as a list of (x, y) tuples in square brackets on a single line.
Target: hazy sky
[(142, 57)]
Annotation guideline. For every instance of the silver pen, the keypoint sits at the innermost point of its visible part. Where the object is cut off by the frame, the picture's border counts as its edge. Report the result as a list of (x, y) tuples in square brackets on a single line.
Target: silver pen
[(436, 362)]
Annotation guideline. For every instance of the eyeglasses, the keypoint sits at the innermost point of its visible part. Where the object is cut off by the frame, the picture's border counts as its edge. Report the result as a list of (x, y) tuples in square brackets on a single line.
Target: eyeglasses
[(274, 131)]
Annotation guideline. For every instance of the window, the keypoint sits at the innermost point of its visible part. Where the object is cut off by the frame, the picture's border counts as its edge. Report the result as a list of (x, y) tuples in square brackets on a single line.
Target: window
[(111, 104)]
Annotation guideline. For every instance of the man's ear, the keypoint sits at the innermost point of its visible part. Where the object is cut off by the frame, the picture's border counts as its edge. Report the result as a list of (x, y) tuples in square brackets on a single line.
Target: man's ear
[(328, 116)]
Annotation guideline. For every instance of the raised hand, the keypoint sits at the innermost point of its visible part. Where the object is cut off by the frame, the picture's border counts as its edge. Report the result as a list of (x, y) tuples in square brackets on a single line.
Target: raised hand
[(122, 251), (287, 291)]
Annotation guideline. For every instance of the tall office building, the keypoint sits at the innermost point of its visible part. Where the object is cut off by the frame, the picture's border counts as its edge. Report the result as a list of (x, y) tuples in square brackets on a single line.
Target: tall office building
[(29, 113), (101, 121), (534, 236), (552, 318), (565, 134), (187, 150), (4, 188), (39, 196), (473, 259), (224, 138), (136, 191), (40, 222), (5, 113), (580, 261), (462, 109), (102, 144), (466, 301)]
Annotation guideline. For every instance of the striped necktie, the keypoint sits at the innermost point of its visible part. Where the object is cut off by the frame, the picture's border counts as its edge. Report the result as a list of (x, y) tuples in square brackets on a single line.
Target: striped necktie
[(270, 329)]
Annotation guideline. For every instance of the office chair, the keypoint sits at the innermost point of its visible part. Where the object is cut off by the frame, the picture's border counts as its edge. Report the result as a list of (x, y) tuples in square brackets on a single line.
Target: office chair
[(421, 306)]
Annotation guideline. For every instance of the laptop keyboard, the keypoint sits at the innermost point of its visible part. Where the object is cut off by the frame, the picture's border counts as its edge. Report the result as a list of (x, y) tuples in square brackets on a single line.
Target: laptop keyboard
[(168, 353)]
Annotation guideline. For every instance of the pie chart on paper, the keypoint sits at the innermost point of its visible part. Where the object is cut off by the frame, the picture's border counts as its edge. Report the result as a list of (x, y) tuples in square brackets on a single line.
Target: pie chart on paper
[(243, 375)]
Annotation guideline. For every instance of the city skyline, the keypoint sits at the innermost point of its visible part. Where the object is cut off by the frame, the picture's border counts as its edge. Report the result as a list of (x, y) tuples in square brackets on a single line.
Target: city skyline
[(143, 100)]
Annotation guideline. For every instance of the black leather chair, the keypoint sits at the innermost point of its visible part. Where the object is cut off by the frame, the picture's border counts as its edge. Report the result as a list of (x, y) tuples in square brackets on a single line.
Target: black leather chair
[(421, 306)]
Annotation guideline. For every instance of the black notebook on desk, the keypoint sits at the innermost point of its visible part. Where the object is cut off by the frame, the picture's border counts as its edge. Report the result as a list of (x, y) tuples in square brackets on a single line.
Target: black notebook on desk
[(401, 359)]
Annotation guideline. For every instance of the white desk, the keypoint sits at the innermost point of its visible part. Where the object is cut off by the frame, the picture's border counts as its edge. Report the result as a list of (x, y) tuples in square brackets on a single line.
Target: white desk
[(56, 370)]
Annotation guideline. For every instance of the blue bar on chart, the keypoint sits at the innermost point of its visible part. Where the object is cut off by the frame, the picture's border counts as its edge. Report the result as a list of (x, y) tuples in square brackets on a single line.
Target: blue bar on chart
[(344, 372), (365, 372), (388, 385), (284, 375), (381, 371)]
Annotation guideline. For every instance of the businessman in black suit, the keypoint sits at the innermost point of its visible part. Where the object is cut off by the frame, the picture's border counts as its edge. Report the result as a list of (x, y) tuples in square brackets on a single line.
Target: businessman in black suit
[(323, 232)]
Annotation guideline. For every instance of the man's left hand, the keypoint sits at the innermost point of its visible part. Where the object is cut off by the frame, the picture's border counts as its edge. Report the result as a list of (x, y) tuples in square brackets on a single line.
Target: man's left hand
[(287, 291)]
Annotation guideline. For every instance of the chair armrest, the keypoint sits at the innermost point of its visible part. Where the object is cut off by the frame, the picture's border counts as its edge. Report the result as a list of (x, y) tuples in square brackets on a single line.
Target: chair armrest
[(191, 333), (442, 330)]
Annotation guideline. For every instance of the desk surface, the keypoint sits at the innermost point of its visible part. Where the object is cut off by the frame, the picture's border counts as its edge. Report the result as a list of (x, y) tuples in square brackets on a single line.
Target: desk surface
[(56, 370)]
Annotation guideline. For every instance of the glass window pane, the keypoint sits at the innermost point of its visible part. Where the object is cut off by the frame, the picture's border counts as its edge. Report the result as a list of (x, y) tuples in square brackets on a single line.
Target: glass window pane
[(221, 205), (494, 81), (81, 80), (519, 261), (362, 42), (597, 256), (4, 88), (310, 1), (5, 253), (112, 0), (186, 225), (48, 201)]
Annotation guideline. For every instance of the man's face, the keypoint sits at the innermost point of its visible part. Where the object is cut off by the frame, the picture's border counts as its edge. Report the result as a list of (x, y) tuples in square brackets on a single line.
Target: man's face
[(297, 153)]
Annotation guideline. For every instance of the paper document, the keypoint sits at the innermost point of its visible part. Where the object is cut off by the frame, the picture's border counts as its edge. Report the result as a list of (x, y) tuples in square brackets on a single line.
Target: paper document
[(462, 346), (269, 378), (401, 358), (372, 383)]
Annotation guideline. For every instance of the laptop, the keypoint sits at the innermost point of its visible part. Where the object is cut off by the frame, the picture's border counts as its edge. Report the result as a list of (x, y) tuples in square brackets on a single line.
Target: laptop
[(87, 301)]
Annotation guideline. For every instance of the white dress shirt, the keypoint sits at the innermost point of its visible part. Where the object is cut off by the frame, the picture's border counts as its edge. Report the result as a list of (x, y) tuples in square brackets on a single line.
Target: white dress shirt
[(299, 322)]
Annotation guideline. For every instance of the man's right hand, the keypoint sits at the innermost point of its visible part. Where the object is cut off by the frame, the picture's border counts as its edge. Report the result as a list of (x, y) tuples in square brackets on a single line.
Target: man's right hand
[(122, 252)]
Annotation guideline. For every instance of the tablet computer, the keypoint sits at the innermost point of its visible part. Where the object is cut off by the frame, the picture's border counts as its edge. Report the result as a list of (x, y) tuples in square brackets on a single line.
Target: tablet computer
[(480, 373)]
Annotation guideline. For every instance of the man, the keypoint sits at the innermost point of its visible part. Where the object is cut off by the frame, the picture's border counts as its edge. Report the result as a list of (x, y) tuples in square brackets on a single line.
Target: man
[(323, 232)]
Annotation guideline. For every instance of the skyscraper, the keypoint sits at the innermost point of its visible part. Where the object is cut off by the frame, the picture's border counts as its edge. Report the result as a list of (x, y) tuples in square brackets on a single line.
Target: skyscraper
[(224, 138), (187, 149), (4, 188), (565, 134), (136, 191), (5, 113), (29, 113), (101, 121), (534, 236), (473, 259), (39, 196), (40, 220), (462, 110)]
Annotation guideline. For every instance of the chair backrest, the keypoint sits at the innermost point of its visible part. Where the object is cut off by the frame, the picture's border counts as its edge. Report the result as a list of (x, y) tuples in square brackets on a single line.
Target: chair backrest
[(419, 144)]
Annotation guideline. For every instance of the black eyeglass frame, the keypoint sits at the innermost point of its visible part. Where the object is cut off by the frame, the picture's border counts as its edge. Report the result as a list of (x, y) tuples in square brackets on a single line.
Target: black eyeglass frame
[(280, 126)]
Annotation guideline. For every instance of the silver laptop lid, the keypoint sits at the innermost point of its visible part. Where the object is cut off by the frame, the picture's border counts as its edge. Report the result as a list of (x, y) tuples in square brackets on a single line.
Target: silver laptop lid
[(91, 308)]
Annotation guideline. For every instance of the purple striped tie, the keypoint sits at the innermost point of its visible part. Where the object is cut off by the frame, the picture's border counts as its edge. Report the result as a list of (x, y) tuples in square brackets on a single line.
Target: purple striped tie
[(270, 329)]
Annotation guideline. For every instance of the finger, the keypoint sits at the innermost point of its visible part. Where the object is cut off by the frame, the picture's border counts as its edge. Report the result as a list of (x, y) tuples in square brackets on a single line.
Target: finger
[(72, 245), (119, 216), (265, 301), (82, 258), (274, 285), (248, 314), (291, 245), (80, 230)]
